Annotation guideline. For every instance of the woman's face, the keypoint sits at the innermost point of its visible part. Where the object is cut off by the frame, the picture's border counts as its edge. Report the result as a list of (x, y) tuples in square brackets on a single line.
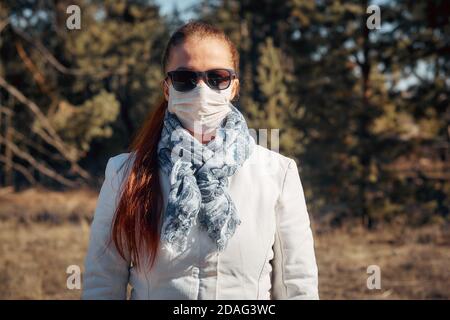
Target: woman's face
[(201, 55)]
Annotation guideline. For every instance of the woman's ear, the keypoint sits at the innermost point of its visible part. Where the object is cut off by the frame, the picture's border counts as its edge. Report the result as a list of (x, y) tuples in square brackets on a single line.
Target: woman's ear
[(235, 91), (165, 87)]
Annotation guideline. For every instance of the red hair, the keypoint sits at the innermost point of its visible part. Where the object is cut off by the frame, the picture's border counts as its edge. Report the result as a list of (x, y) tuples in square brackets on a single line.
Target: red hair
[(136, 223)]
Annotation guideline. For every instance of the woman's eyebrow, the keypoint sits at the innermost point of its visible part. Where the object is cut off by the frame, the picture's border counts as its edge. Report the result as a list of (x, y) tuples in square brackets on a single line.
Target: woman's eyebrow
[(194, 69), (184, 68)]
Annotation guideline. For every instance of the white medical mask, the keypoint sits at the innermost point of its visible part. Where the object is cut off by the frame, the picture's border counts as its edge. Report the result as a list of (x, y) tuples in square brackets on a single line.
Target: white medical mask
[(201, 109)]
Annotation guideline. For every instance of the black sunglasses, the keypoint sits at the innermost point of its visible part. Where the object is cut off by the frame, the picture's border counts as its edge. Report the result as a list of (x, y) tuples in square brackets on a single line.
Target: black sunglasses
[(217, 79)]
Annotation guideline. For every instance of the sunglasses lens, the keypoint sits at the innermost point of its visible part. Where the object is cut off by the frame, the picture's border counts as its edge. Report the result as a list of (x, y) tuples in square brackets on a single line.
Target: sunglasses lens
[(219, 79), (183, 80)]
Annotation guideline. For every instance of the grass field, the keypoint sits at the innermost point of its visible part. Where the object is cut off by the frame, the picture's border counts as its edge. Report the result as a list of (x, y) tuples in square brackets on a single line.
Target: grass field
[(43, 232)]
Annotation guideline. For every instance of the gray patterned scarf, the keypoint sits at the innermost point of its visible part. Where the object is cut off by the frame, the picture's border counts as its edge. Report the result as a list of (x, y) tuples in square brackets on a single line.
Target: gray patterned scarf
[(199, 178)]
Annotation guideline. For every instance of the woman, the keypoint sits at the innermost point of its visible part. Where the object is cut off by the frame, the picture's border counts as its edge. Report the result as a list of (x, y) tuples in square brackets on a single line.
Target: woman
[(196, 209)]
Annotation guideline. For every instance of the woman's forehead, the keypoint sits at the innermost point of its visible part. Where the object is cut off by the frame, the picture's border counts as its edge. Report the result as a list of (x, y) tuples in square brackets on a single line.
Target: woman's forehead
[(200, 55)]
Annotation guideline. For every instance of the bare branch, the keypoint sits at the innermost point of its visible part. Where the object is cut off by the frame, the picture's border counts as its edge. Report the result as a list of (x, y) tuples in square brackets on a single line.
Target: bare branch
[(37, 112), (6, 111), (37, 75), (52, 138), (18, 167), (102, 73), (38, 147), (4, 23), (38, 166)]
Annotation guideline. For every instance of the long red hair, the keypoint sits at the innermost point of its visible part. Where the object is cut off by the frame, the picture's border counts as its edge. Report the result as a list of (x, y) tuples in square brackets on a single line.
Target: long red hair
[(138, 216)]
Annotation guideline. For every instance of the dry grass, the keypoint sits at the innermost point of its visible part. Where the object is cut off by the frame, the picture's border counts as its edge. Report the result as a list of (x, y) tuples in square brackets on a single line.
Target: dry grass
[(42, 233), (413, 263)]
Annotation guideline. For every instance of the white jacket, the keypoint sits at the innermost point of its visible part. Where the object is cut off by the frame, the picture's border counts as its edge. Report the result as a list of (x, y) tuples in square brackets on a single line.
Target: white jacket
[(270, 256)]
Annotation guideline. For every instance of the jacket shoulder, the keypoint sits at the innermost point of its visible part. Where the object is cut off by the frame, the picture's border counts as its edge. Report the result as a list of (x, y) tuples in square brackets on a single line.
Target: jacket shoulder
[(120, 161), (118, 168), (272, 158)]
